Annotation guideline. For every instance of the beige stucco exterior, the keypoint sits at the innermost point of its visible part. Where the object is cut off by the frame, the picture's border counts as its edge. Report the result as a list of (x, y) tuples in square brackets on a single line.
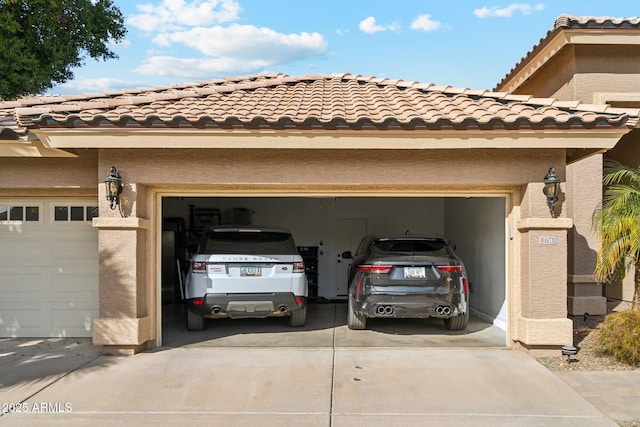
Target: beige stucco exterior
[(129, 271), (129, 318), (594, 67), (549, 260)]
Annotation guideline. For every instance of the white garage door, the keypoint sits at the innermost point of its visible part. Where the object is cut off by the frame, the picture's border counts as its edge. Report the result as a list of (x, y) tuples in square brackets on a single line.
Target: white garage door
[(48, 268)]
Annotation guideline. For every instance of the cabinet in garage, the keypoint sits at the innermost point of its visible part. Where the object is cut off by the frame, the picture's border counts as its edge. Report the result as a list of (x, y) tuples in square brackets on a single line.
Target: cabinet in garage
[(309, 255)]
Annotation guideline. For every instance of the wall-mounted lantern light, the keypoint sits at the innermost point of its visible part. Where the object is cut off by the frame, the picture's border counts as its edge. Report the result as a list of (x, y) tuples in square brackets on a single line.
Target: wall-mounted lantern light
[(113, 186), (551, 190)]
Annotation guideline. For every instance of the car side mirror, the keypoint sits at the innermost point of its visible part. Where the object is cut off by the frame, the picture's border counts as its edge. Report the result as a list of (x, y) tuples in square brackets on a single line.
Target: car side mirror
[(346, 255)]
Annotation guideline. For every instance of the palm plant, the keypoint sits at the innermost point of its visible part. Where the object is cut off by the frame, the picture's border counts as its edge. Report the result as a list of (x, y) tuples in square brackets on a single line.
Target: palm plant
[(618, 223)]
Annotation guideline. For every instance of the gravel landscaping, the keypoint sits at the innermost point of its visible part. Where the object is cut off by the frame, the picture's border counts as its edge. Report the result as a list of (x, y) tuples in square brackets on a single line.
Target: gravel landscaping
[(585, 337)]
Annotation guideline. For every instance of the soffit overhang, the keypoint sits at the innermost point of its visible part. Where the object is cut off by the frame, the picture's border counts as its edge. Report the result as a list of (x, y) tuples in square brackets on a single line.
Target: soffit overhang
[(590, 139)]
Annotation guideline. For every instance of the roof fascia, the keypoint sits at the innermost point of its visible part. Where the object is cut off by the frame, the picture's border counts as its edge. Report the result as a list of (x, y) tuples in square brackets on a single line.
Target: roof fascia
[(33, 148), (556, 42), (381, 140)]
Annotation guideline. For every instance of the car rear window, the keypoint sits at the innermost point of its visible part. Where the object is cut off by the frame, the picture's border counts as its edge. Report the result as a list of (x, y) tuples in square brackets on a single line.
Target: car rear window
[(251, 243), (420, 246)]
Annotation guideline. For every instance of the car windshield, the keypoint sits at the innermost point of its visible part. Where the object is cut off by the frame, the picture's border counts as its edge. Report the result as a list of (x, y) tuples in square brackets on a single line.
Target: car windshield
[(233, 242), (410, 246)]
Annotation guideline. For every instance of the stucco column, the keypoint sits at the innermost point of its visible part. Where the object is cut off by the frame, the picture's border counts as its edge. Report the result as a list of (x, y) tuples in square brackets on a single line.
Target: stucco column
[(543, 324), (584, 195), (123, 326), (125, 323)]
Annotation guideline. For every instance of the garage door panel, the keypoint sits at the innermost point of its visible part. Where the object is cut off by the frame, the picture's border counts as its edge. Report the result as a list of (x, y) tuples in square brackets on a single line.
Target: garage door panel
[(77, 249), (21, 322), (20, 249), (48, 274), (19, 282), (74, 280), (69, 323)]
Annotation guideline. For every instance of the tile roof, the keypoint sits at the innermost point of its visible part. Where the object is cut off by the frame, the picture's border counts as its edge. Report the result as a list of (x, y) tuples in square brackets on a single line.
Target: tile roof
[(570, 22), (278, 101)]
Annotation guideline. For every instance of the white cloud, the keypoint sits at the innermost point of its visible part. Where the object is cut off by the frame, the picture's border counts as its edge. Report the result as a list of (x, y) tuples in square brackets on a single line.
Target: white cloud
[(79, 85), (369, 26), (124, 43), (234, 49), (248, 42), (507, 12), (225, 49), (198, 68), (173, 15), (425, 23)]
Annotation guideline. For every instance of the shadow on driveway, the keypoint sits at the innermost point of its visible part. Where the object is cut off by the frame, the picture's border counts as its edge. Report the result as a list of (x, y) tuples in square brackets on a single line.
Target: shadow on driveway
[(326, 327)]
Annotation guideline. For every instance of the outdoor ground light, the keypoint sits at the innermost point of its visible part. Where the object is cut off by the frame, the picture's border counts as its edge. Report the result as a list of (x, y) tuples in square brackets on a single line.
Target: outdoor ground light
[(569, 350), (551, 189), (113, 186)]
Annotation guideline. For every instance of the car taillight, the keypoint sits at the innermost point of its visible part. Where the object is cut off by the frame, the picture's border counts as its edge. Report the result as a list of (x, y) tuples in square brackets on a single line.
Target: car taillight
[(198, 301), (359, 285), (450, 268), (299, 300), (298, 267), (199, 266), (374, 268), (465, 285)]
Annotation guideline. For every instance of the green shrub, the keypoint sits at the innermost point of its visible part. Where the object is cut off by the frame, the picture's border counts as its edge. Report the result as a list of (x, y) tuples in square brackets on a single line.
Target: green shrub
[(620, 337)]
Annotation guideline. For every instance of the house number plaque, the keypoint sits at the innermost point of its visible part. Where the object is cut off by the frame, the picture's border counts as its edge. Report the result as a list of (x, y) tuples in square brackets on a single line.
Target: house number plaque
[(547, 240)]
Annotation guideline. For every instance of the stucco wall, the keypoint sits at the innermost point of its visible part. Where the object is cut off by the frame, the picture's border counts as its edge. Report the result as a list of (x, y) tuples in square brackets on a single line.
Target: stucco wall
[(477, 226), (554, 79), (51, 174), (465, 168)]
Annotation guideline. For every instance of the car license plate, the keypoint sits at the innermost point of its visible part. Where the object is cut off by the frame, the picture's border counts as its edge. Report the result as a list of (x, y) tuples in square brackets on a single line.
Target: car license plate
[(414, 273), (250, 271)]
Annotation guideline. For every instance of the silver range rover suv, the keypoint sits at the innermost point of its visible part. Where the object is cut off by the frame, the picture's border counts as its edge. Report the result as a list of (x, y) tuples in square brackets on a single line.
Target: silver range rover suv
[(246, 272)]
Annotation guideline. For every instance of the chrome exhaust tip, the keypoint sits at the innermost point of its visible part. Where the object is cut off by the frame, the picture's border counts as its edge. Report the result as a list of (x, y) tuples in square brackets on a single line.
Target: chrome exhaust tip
[(384, 310), (443, 310)]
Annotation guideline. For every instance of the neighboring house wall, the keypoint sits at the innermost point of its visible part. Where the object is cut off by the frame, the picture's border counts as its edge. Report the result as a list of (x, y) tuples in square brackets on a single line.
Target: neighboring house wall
[(591, 74), (554, 80)]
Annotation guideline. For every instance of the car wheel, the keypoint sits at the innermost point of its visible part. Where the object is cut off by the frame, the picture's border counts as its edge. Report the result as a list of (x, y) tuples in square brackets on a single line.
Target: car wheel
[(195, 321), (457, 323), (299, 317), (355, 320)]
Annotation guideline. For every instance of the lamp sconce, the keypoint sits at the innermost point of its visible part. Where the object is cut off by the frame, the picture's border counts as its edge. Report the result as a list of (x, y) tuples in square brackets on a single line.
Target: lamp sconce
[(551, 190), (113, 187)]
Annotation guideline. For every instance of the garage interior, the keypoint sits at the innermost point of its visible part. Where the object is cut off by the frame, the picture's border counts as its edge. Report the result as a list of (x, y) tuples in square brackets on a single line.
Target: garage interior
[(323, 228)]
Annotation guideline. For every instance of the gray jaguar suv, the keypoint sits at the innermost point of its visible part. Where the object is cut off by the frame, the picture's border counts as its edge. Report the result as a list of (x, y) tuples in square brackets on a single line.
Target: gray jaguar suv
[(408, 276)]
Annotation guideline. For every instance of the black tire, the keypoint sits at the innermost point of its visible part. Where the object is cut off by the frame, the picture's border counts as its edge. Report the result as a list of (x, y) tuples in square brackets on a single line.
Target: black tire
[(195, 321), (299, 317), (457, 323), (354, 320)]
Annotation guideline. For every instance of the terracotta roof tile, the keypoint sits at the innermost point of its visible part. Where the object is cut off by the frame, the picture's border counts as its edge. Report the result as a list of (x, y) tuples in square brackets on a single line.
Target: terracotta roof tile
[(311, 102)]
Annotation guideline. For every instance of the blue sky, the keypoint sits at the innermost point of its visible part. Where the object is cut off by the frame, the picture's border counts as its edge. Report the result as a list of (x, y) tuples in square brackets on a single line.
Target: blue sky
[(462, 43)]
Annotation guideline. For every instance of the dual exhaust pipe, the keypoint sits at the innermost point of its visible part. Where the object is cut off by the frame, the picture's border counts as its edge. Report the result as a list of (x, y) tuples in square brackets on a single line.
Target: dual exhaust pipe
[(384, 310), (443, 310)]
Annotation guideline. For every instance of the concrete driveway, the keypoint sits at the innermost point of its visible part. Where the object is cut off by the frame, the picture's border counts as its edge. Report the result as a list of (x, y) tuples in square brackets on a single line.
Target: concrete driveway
[(262, 377)]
